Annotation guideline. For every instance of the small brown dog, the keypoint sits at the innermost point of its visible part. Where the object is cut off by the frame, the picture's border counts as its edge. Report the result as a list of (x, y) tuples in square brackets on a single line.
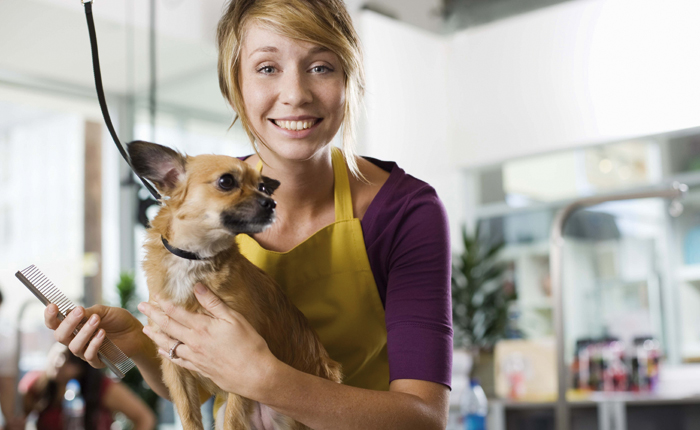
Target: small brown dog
[(211, 199)]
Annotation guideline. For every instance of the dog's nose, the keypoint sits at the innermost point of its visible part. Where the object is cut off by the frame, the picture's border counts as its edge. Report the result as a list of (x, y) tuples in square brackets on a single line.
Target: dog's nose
[(267, 203)]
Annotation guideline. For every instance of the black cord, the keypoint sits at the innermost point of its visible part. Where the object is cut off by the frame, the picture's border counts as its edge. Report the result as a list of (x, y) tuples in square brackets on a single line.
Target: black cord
[(101, 96), (152, 86)]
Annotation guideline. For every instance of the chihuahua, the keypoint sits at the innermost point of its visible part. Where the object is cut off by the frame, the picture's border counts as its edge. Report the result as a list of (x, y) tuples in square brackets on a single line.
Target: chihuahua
[(209, 200)]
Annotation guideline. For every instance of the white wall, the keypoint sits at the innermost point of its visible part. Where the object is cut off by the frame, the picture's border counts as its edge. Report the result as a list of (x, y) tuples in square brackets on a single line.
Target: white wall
[(41, 197), (407, 105), (582, 72)]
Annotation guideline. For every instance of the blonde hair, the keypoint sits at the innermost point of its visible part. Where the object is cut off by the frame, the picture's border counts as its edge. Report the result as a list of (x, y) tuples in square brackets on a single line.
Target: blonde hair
[(322, 22)]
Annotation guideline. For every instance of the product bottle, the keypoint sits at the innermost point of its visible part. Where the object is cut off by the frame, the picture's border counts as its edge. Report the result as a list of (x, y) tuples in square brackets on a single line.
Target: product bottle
[(474, 407), (73, 407)]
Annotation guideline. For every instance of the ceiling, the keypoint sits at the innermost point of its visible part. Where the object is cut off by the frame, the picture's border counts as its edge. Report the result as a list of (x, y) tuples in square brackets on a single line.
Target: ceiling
[(45, 45), (461, 14), (447, 16)]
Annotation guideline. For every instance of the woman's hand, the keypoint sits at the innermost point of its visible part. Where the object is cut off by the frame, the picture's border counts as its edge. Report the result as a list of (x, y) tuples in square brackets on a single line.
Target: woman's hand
[(224, 347), (117, 324)]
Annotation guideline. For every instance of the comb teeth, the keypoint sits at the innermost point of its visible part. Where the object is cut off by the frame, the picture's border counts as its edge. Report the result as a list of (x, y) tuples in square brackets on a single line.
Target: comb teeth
[(48, 293), (48, 289)]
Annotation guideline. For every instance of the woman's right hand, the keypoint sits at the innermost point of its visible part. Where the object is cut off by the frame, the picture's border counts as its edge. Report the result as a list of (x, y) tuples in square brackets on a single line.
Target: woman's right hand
[(117, 324)]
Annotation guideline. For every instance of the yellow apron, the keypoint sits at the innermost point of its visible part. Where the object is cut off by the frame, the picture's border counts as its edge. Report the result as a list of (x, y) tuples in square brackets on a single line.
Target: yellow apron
[(328, 277)]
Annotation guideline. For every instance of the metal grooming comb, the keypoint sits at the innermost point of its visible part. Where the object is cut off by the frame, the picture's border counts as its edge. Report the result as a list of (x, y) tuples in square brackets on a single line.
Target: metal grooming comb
[(48, 293)]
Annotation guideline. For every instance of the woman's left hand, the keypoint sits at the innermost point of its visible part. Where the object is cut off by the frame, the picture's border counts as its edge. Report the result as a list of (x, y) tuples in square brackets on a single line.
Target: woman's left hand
[(224, 347)]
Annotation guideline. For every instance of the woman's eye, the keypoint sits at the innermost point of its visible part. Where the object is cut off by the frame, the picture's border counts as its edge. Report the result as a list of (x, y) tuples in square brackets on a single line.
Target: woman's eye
[(226, 182), (321, 69), (266, 70)]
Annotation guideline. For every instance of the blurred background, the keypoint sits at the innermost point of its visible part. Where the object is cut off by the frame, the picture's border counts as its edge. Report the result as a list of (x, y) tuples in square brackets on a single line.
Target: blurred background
[(511, 109)]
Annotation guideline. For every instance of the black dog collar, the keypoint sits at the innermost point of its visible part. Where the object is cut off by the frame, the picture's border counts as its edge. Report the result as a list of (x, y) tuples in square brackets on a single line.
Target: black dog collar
[(180, 252)]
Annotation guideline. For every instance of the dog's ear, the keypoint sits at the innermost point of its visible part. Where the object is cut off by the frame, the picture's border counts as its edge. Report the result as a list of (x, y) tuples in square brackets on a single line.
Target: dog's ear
[(159, 164), (270, 184)]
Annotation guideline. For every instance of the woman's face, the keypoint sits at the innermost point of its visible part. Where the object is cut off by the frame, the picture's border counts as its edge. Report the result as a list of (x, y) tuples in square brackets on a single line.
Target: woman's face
[(293, 92)]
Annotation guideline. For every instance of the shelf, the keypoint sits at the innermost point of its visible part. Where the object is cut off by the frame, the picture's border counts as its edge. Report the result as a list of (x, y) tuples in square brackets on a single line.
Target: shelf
[(513, 251), (544, 303), (689, 273), (691, 351), (621, 283), (644, 398), (500, 209), (691, 199), (599, 397), (689, 178)]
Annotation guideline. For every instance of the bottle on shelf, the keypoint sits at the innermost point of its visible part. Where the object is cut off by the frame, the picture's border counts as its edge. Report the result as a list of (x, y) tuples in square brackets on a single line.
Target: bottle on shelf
[(581, 366), (474, 406), (73, 407), (606, 364), (646, 363)]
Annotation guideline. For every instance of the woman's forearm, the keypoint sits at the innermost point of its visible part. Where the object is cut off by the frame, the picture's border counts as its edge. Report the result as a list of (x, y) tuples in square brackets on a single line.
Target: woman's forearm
[(322, 404), (149, 366), (147, 422), (7, 396)]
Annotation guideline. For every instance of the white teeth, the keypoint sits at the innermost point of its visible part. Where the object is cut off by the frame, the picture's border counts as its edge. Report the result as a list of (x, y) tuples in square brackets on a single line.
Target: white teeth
[(295, 125)]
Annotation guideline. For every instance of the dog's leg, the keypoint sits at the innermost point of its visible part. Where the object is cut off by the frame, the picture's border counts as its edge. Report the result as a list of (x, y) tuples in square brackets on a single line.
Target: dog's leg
[(184, 394), (237, 414)]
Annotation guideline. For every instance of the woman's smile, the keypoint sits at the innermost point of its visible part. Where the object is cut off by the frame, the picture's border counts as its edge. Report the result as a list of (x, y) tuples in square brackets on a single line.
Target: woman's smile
[(298, 129)]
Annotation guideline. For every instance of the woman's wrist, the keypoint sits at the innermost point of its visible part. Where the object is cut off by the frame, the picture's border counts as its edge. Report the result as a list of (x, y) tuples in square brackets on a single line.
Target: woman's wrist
[(270, 373), (148, 352)]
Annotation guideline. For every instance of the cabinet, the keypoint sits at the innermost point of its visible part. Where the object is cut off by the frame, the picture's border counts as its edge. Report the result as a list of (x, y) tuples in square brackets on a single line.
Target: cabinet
[(630, 269), (623, 412)]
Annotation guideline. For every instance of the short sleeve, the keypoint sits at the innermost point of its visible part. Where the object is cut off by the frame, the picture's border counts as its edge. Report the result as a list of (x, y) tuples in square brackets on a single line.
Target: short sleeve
[(418, 298)]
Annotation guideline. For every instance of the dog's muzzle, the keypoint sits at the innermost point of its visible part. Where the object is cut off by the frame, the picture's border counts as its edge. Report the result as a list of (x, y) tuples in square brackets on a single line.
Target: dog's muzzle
[(252, 217)]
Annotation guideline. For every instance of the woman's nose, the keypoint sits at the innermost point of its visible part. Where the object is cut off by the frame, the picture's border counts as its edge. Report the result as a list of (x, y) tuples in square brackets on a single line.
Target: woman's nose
[(295, 89)]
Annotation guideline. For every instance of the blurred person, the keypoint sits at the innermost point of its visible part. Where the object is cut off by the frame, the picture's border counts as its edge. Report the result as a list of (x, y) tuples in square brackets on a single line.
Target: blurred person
[(43, 393), (8, 380)]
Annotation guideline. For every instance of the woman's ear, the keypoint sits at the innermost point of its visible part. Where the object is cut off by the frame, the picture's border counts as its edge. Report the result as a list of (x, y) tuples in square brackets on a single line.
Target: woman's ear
[(157, 163)]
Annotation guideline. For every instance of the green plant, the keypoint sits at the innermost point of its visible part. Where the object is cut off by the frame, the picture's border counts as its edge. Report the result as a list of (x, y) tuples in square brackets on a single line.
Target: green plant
[(128, 299), (479, 301), (126, 287)]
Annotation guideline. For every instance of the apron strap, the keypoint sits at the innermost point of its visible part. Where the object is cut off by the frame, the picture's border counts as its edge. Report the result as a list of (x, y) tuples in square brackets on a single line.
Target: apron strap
[(343, 197)]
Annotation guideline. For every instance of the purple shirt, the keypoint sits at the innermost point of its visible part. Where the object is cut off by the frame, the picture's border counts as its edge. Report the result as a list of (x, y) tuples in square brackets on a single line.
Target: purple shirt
[(408, 245)]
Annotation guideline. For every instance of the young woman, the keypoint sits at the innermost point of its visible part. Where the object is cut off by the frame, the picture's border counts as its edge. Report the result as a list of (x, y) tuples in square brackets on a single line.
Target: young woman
[(359, 246), (43, 393)]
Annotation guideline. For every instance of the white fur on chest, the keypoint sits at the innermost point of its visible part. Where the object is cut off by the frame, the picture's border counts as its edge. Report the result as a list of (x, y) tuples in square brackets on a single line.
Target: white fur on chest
[(181, 275)]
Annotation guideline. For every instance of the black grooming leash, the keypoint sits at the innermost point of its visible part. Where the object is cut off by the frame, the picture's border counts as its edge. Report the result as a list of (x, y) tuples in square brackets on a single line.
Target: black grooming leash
[(101, 95), (105, 113)]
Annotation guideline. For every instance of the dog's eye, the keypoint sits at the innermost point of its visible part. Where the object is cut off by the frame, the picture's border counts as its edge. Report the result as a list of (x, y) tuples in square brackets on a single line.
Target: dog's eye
[(227, 182), (263, 189)]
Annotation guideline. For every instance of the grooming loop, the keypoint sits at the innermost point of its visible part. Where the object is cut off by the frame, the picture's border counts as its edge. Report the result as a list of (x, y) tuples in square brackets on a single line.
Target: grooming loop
[(48, 293)]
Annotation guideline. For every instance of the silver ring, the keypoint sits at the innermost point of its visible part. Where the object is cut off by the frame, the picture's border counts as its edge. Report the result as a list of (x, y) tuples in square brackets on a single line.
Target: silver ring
[(171, 354)]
